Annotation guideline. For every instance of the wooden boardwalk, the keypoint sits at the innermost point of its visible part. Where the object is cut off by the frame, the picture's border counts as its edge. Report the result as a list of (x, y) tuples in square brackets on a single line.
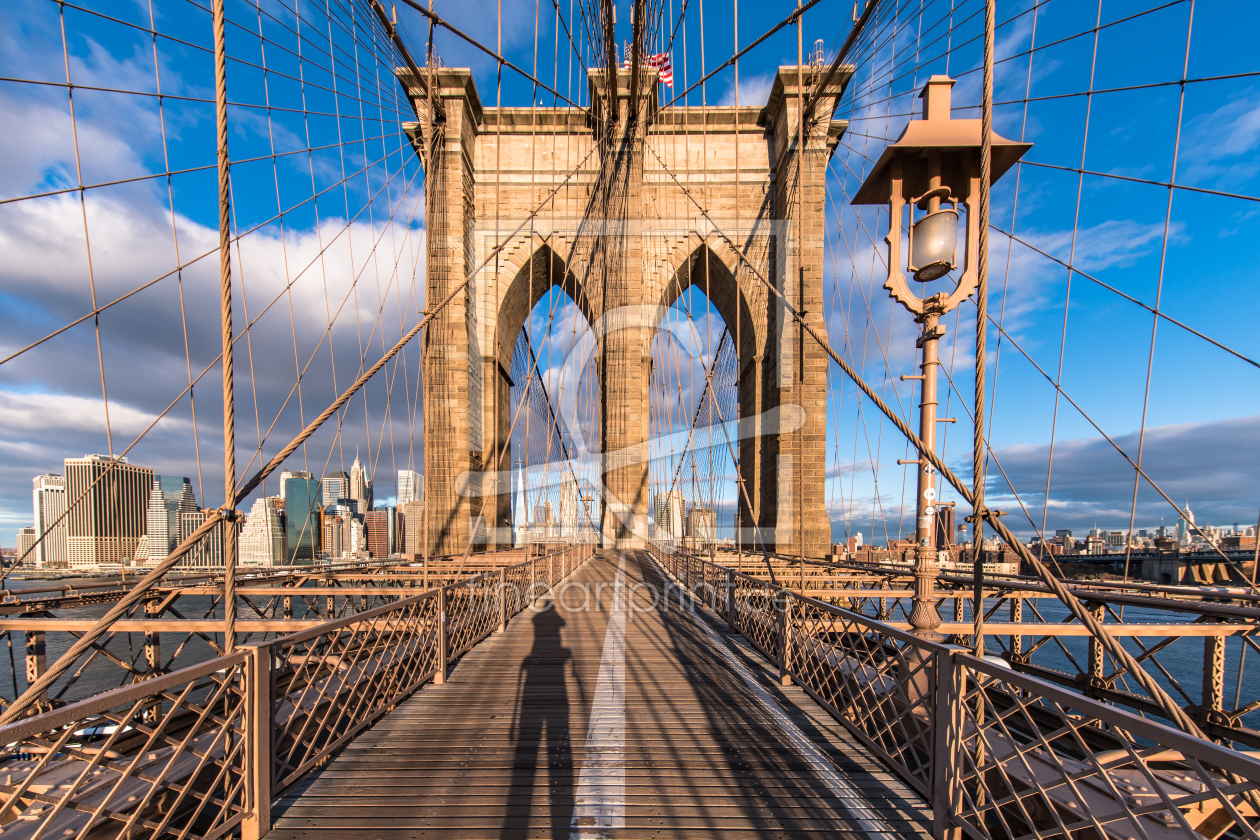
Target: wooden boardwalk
[(626, 721)]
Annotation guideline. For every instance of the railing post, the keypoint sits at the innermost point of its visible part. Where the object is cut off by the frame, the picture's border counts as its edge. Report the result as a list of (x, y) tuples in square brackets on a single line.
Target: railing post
[(258, 711), (36, 662), (439, 678), (785, 639), (1095, 647), (1017, 617), (502, 599), (1213, 679), (946, 743), (551, 573), (730, 602), (153, 641)]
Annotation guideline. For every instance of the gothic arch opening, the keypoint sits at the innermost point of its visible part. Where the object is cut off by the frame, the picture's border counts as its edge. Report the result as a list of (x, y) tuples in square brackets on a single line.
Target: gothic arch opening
[(709, 281), (543, 271), (735, 297), (693, 409), (552, 415)]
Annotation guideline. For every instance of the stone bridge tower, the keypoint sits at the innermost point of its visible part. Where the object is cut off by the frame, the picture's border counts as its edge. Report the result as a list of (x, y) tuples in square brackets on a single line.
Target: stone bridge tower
[(624, 207)]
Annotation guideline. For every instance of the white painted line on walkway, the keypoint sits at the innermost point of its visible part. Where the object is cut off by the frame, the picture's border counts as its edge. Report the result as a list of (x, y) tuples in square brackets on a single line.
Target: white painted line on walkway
[(600, 801)]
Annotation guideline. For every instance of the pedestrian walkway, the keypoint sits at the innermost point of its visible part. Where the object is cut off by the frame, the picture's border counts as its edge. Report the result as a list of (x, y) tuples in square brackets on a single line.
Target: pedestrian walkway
[(606, 715)]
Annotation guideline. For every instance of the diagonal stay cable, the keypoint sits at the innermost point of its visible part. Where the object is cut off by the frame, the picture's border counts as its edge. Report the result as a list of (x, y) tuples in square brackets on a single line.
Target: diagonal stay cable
[(1169, 707), (89, 637), (1155, 485), (496, 56), (691, 430), (551, 412), (1131, 299), (235, 239), (787, 21)]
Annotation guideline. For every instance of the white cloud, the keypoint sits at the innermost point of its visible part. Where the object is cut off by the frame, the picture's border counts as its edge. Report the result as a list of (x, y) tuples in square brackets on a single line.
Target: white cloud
[(754, 90), (1224, 141), (371, 268), (48, 414)]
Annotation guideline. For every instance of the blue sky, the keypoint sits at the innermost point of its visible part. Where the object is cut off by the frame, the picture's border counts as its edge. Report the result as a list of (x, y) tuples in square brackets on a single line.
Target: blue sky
[(349, 256)]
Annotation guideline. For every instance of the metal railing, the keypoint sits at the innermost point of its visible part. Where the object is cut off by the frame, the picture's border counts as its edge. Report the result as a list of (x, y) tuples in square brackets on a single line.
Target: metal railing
[(203, 751), (997, 753), (1192, 640)]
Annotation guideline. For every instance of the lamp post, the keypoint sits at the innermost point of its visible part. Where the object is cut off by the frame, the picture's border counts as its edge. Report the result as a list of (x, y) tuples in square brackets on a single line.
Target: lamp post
[(934, 166)]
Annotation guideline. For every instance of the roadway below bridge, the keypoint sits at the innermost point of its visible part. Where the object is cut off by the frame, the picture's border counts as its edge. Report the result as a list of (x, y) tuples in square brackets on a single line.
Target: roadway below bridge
[(606, 711)]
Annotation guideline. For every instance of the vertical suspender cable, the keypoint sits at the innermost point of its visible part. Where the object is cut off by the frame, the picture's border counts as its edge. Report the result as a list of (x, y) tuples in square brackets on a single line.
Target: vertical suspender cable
[(982, 293), (225, 310), (798, 461)]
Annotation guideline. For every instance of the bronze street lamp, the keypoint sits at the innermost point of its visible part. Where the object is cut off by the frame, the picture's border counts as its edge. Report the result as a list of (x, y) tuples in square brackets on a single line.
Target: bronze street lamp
[(934, 166)]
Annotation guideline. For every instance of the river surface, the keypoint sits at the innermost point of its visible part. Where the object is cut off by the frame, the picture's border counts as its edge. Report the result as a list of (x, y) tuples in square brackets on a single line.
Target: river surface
[(101, 674), (1181, 673)]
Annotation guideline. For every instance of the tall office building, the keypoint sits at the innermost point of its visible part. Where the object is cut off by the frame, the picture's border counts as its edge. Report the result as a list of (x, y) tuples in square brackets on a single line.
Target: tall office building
[(669, 512), (702, 524), (302, 520), (1184, 530), (50, 504), (208, 552), (262, 538), (171, 497), (410, 487), (108, 521), (378, 527), (26, 541), (285, 475), (360, 485), (410, 528), (334, 531), (357, 541), (520, 507), (335, 487), (545, 519), (570, 513)]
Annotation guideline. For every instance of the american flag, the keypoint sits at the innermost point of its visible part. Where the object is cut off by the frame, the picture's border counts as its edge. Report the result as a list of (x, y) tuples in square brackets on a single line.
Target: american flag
[(665, 71)]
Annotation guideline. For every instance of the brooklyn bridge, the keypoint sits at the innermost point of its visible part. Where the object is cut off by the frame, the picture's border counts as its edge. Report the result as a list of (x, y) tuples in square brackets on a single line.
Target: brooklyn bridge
[(647, 344)]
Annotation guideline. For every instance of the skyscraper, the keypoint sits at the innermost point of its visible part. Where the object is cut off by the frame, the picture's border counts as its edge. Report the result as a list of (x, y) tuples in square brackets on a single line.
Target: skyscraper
[(108, 521), (1184, 531), (208, 552), (171, 497), (285, 475), (50, 504), (410, 487), (335, 487), (378, 526), (520, 506), (410, 533), (357, 541), (262, 538), (702, 524), (360, 485), (669, 512), (334, 530), (569, 512), (302, 520), (545, 519), (26, 541)]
